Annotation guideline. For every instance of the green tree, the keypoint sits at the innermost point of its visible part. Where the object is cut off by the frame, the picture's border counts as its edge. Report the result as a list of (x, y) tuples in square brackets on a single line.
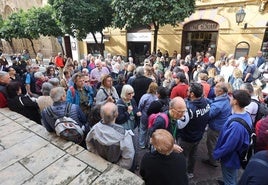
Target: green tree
[(12, 28), (1, 25), (40, 21), (80, 17), (154, 13), (30, 25)]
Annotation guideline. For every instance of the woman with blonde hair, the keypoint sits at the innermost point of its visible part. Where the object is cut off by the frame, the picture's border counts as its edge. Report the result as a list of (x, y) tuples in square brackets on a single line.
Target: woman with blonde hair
[(212, 72), (236, 79), (127, 109), (144, 104), (149, 72), (167, 79)]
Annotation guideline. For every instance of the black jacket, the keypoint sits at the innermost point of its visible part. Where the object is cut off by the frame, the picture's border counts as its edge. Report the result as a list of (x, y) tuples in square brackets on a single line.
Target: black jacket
[(158, 169), (25, 106), (140, 86)]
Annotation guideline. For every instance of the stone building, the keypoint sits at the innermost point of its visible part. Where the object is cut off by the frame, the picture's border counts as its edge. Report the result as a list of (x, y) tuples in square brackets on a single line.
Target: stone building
[(49, 46), (213, 25)]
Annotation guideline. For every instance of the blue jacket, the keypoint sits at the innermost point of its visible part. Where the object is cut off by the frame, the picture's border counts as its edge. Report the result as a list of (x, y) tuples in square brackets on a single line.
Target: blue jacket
[(74, 97), (256, 170), (232, 140), (220, 110), (199, 116)]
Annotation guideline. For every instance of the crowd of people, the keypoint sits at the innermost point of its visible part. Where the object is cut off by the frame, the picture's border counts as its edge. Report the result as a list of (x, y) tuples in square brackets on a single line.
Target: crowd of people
[(111, 98)]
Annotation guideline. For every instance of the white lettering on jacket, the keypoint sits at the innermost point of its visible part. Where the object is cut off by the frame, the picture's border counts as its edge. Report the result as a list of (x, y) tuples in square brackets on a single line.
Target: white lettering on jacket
[(201, 112)]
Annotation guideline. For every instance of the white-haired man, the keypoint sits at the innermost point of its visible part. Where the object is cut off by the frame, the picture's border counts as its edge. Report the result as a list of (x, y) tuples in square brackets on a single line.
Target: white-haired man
[(109, 140)]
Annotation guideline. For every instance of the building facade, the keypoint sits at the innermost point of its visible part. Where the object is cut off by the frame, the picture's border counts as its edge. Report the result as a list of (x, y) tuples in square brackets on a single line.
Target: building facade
[(212, 25)]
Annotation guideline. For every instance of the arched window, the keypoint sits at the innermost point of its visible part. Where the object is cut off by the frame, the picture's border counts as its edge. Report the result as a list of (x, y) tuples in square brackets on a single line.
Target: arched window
[(241, 49)]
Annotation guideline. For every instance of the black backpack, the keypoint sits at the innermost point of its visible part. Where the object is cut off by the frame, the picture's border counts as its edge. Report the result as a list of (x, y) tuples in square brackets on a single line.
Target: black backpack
[(165, 105), (262, 111), (249, 152)]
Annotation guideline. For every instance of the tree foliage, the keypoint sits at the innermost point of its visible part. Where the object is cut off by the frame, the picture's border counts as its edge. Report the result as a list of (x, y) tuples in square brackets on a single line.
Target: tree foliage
[(12, 28), (154, 13), (80, 17), (30, 25), (40, 21)]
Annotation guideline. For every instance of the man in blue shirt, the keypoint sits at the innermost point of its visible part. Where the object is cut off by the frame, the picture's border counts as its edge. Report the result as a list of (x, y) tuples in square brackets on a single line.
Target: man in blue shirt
[(220, 110), (234, 138)]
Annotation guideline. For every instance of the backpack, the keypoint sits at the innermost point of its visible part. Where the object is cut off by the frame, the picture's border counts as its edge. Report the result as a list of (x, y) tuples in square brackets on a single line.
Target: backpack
[(152, 118), (165, 106), (72, 89), (256, 73), (245, 156), (66, 127), (262, 111)]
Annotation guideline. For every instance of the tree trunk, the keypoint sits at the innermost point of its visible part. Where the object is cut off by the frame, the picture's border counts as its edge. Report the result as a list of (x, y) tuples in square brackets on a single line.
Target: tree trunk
[(32, 44), (11, 45), (102, 49), (156, 28)]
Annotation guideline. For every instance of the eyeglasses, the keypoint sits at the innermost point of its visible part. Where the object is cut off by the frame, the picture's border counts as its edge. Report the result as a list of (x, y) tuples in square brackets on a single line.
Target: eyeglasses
[(179, 112), (86, 81), (130, 93)]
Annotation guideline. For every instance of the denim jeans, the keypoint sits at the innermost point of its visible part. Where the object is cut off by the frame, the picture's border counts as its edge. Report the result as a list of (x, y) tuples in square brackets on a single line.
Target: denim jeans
[(229, 175), (143, 132)]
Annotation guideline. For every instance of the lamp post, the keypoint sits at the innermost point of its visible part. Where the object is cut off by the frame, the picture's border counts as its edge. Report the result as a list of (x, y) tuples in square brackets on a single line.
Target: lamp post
[(240, 15)]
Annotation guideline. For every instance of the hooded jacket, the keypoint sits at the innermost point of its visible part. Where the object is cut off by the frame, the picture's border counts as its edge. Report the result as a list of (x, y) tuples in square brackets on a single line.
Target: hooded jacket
[(112, 142), (199, 116)]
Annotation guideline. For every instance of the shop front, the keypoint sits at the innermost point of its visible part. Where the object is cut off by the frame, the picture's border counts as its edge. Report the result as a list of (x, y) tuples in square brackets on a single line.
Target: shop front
[(199, 36), (138, 45)]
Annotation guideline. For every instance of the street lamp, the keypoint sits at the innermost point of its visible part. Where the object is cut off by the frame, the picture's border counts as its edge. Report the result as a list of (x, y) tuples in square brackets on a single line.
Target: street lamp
[(240, 15)]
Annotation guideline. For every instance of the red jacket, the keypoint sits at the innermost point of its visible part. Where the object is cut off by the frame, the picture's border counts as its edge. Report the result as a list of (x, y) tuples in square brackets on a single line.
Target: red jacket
[(59, 61), (179, 90), (3, 100)]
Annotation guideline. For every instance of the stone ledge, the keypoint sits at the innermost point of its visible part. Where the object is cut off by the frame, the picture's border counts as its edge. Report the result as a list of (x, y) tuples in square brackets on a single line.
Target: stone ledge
[(44, 158)]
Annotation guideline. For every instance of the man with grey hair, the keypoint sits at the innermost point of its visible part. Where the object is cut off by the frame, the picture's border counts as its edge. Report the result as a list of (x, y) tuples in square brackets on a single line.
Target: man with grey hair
[(30, 80), (220, 111), (4, 80), (45, 100), (109, 140), (140, 84), (58, 96), (253, 107), (97, 73)]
